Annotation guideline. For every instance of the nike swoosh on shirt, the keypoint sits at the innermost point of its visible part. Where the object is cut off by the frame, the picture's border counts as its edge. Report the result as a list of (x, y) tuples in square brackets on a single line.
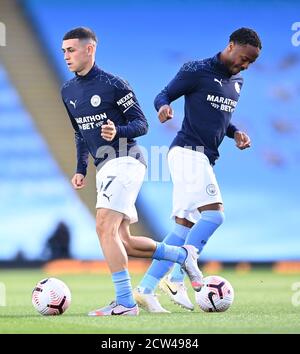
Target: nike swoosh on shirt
[(172, 291)]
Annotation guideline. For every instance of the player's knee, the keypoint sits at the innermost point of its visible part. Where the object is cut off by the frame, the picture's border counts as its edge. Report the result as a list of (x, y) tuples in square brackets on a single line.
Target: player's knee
[(214, 216), (104, 228), (183, 222)]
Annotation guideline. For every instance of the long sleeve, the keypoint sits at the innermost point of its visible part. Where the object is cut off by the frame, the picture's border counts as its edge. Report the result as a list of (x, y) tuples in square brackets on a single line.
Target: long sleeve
[(231, 130), (82, 154), (128, 104), (81, 147), (184, 83)]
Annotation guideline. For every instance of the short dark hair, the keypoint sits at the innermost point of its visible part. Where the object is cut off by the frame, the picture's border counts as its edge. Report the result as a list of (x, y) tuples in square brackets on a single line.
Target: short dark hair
[(80, 33), (245, 36)]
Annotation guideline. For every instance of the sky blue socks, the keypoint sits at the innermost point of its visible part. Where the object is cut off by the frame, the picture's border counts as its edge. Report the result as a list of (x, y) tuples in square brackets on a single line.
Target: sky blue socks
[(123, 288), (159, 268), (170, 253), (198, 236)]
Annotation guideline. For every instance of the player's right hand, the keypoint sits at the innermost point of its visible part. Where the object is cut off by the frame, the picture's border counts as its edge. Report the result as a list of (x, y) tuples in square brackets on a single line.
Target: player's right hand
[(78, 181), (165, 113)]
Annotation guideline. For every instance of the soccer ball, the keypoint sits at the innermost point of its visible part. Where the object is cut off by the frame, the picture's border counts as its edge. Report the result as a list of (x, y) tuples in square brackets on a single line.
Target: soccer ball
[(51, 296), (216, 295)]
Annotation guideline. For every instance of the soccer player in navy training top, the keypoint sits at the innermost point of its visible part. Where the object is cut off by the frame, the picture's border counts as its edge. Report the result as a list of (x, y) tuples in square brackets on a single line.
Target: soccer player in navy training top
[(211, 88), (106, 117)]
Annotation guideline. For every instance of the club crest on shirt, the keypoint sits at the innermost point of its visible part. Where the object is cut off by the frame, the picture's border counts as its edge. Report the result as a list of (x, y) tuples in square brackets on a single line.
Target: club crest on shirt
[(237, 87), (211, 189), (95, 100)]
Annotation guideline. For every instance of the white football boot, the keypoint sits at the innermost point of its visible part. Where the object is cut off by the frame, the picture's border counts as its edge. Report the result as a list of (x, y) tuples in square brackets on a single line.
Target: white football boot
[(177, 293), (113, 309), (148, 302), (190, 266)]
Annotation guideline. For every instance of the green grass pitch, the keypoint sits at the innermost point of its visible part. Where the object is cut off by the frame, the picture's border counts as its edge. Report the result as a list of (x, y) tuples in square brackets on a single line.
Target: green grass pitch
[(263, 304)]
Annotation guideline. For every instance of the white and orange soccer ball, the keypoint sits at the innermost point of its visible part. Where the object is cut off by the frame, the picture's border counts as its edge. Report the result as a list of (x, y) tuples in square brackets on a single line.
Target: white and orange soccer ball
[(216, 295), (51, 296)]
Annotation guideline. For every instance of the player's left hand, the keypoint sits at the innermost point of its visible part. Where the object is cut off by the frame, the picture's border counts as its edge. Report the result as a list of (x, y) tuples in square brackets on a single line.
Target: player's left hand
[(242, 140), (108, 131)]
